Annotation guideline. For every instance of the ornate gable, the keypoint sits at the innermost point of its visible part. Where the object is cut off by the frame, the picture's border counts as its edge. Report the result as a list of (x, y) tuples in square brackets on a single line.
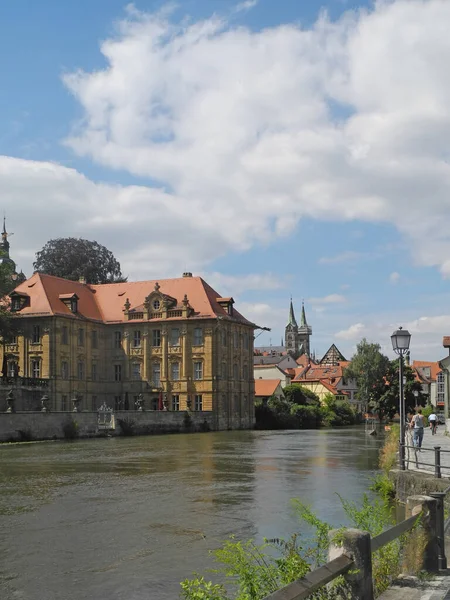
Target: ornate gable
[(332, 356)]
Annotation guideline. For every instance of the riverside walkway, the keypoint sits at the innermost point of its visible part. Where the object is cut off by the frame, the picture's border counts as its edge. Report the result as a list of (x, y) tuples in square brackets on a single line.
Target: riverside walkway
[(437, 587)]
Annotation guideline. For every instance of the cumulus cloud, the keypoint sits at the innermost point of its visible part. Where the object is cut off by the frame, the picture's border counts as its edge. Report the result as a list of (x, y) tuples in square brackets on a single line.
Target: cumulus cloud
[(354, 332), (292, 117), (246, 132)]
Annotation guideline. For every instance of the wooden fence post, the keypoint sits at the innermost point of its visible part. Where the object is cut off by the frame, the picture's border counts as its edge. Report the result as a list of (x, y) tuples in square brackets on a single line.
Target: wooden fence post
[(426, 536), (356, 545)]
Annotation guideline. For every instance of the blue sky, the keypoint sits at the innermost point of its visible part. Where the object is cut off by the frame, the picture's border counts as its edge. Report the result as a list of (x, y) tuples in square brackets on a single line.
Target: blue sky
[(248, 142)]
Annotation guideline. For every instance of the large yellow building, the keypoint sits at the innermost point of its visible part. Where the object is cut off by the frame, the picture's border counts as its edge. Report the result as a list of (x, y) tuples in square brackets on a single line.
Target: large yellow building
[(174, 343)]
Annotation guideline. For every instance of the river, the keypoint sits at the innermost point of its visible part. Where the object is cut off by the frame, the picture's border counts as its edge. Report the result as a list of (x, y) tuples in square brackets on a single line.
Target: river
[(129, 518)]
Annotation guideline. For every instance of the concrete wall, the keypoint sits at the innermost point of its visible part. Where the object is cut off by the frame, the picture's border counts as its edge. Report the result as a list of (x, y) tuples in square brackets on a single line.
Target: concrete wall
[(415, 483), (39, 426)]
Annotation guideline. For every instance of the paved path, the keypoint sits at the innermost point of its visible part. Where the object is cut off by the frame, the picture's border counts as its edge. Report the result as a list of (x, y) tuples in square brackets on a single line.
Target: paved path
[(425, 457)]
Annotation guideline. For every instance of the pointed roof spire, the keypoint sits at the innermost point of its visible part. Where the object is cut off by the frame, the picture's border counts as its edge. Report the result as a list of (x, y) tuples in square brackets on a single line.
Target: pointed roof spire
[(303, 322), (292, 320), (4, 224)]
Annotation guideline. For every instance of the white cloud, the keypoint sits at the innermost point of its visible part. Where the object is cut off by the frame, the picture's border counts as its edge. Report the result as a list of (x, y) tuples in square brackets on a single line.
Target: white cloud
[(394, 277), (248, 132), (246, 5), (225, 115), (354, 332), (330, 299)]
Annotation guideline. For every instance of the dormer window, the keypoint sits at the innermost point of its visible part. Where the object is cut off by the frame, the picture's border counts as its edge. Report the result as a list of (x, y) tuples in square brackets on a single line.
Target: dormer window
[(71, 301), (15, 303), (19, 301), (226, 304), (156, 304)]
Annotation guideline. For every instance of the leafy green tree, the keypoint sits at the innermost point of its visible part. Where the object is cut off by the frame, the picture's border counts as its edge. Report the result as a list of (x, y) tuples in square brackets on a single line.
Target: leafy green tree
[(72, 258), (388, 403), (8, 322), (369, 367), (297, 394)]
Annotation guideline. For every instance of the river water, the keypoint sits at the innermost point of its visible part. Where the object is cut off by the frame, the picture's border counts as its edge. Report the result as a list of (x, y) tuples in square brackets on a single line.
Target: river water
[(129, 518)]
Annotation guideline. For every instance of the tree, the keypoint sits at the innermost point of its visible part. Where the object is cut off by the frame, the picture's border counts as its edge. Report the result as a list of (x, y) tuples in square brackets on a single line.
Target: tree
[(369, 367), (388, 403), (297, 394), (73, 258)]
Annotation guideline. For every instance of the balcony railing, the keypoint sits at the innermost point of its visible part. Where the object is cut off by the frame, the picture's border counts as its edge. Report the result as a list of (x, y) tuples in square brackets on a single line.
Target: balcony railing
[(24, 381)]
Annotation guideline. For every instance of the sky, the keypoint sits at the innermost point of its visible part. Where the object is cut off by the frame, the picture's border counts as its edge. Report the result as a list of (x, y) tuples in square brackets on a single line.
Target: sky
[(279, 149)]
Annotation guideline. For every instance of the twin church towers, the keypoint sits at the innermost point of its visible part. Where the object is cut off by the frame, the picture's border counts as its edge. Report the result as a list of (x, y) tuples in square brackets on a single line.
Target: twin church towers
[(296, 337)]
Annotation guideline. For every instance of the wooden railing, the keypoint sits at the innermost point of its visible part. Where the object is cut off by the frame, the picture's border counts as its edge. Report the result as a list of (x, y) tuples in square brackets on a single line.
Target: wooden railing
[(356, 555)]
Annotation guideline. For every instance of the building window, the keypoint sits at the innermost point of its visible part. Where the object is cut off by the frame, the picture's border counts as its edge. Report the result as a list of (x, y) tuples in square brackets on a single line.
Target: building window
[(94, 403), (81, 337), (156, 304), (117, 339), (198, 336), (137, 339), (176, 402), (156, 337), (15, 303), (175, 371), (156, 374), (64, 404), (198, 370), (13, 368), (80, 369), (136, 370), (117, 372), (175, 337), (245, 372), (64, 335), (74, 305), (440, 396), (198, 402), (35, 368), (94, 371), (236, 339), (94, 339), (224, 371), (245, 340), (235, 372), (117, 403), (64, 370), (224, 338), (36, 338), (13, 340)]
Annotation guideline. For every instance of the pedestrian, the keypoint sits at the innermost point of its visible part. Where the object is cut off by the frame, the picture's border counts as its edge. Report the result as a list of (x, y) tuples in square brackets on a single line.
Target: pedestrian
[(416, 425), (432, 419)]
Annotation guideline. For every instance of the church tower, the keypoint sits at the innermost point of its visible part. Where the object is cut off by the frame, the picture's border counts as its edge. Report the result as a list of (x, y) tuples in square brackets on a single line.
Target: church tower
[(6, 260), (304, 333), (291, 332)]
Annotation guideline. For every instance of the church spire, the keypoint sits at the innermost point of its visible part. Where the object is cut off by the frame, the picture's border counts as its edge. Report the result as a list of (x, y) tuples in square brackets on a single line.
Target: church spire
[(292, 320), (303, 322)]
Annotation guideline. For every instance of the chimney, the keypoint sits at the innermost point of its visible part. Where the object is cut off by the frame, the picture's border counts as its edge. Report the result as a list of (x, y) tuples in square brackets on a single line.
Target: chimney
[(187, 274), (82, 279)]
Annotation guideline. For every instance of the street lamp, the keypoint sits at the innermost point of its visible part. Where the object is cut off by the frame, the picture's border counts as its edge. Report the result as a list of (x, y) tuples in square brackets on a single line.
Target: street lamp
[(400, 344)]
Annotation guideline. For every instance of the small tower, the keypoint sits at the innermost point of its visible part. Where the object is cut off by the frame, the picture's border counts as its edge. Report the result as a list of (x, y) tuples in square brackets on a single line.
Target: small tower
[(304, 333), (291, 332), (6, 260)]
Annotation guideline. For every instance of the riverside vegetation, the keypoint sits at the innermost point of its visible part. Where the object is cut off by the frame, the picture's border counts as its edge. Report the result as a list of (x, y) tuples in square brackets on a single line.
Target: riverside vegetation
[(302, 409), (251, 571)]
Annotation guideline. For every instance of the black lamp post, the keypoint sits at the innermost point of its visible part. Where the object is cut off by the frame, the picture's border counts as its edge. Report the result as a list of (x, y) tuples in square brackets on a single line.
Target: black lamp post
[(400, 344)]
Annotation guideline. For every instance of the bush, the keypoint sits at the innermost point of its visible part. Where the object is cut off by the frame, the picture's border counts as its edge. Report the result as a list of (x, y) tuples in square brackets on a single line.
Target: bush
[(70, 430), (308, 417)]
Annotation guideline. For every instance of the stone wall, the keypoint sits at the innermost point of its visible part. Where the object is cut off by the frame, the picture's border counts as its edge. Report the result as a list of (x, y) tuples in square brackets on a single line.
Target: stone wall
[(27, 426), (415, 483)]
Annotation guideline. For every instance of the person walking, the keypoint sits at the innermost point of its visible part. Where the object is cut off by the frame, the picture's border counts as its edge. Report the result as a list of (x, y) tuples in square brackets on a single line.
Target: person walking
[(416, 424), (432, 419)]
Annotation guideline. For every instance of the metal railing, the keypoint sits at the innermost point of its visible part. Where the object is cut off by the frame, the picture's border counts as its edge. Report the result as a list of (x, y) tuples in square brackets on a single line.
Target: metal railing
[(301, 589), (24, 381)]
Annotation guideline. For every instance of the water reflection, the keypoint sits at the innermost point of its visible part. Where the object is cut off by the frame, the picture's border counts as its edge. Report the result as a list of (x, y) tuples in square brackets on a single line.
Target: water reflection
[(129, 518)]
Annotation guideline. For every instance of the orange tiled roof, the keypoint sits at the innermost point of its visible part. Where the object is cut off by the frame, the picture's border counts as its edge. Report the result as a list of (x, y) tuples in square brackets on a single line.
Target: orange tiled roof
[(321, 372), (266, 387), (106, 302), (434, 367)]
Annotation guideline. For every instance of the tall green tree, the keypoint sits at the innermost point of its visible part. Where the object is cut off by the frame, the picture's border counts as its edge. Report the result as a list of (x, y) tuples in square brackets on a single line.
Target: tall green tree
[(8, 281), (369, 367), (73, 258), (388, 403)]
